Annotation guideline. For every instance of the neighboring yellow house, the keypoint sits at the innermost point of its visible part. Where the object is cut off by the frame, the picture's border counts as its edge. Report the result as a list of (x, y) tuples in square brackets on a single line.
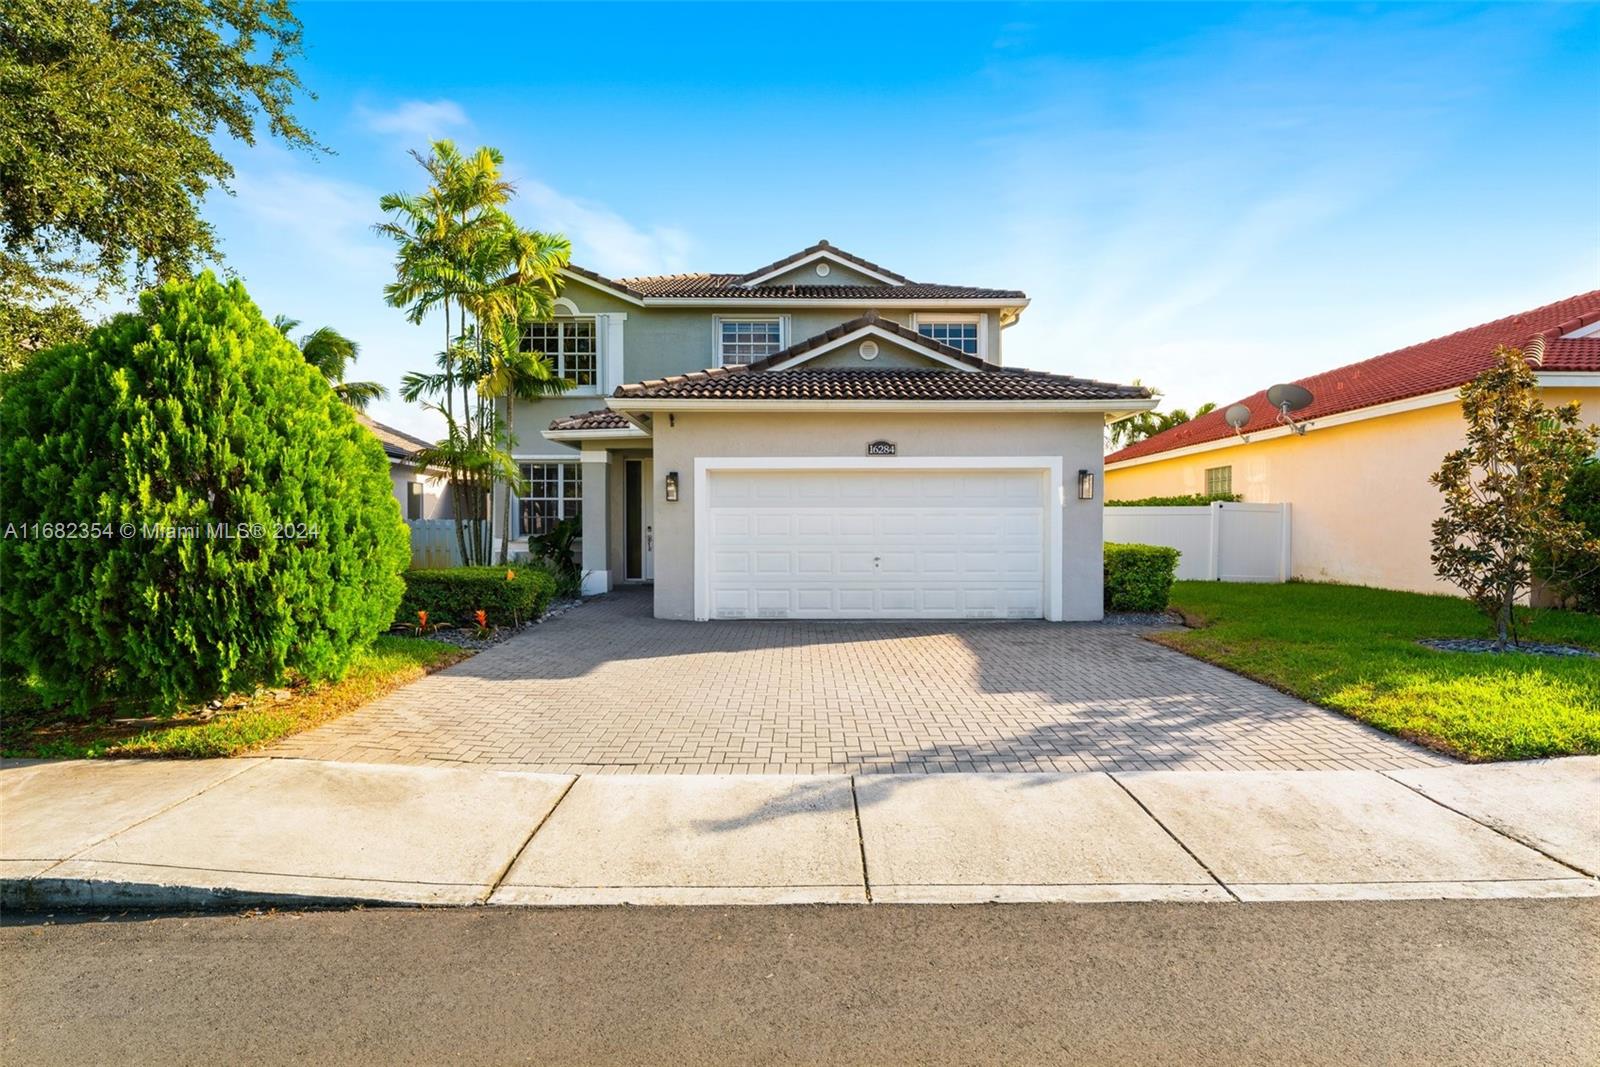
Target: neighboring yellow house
[(1357, 480)]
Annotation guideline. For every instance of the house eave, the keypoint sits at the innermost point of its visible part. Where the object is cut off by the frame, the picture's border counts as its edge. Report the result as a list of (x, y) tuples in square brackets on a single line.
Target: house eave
[(647, 404)]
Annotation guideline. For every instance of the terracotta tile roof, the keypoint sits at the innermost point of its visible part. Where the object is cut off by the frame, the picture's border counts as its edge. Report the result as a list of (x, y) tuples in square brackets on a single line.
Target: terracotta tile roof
[(397, 444), (890, 383), (984, 381), (1442, 363), (603, 419), (865, 264)]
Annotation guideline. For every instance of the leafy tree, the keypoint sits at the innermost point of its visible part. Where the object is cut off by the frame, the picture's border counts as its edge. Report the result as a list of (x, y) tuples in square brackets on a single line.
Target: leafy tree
[(191, 432), (460, 253), (110, 112), (29, 324), (1504, 492), (330, 352)]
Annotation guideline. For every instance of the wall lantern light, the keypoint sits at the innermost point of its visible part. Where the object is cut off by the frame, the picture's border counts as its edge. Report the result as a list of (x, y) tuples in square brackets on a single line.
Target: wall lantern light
[(672, 487), (1086, 485)]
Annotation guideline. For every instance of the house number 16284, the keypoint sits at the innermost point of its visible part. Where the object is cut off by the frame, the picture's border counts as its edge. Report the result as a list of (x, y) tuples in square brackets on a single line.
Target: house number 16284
[(880, 448)]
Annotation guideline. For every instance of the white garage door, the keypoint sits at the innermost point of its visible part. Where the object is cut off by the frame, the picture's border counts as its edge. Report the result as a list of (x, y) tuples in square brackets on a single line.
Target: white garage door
[(893, 544)]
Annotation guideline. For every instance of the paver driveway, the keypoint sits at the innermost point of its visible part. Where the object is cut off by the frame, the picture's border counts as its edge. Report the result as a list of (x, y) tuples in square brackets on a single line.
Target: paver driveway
[(605, 687)]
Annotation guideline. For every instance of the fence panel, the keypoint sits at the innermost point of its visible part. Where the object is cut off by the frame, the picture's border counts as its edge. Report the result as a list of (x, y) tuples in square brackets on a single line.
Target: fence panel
[(1222, 542), (433, 543)]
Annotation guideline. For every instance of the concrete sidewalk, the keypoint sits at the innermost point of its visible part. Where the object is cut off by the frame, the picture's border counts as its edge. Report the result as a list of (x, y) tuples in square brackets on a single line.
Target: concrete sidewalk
[(284, 831)]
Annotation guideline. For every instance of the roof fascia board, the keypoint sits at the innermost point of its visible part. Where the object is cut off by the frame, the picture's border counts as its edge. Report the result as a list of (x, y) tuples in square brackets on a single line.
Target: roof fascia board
[(627, 405), (853, 302), (593, 283), (1580, 379), (632, 433)]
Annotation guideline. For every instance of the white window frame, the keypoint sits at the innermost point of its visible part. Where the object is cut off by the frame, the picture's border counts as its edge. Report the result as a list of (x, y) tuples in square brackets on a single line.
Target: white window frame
[(563, 479), (716, 336), (558, 360), (920, 319)]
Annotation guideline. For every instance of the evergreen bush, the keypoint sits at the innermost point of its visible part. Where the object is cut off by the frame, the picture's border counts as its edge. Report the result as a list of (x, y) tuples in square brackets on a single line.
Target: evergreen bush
[(188, 510), (1138, 577)]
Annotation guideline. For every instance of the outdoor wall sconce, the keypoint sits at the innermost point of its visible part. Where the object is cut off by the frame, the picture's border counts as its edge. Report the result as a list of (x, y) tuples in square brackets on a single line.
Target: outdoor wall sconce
[(1086, 485), (672, 487)]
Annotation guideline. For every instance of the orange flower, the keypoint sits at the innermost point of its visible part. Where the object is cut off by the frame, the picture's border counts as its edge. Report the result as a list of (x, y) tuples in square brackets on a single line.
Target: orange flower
[(422, 618), (482, 617), (511, 575)]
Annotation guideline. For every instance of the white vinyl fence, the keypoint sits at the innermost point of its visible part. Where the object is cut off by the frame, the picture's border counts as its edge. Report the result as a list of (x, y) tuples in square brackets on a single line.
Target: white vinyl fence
[(1219, 543)]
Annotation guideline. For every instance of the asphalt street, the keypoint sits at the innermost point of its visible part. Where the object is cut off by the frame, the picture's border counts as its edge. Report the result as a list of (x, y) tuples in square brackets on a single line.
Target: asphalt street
[(1514, 981)]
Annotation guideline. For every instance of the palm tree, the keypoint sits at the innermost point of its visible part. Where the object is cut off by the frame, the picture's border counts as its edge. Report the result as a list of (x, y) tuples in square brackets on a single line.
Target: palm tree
[(459, 252), (330, 351), (1126, 431), (515, 374)]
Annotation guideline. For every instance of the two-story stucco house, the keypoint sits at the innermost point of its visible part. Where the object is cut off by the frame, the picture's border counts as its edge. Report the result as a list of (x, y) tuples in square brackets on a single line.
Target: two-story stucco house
[(819, 437)]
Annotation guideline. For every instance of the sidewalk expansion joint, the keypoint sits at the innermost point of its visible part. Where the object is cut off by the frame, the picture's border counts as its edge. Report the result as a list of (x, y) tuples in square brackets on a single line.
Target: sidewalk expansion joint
[(103, 838), (1494, 829), (1176, 839), (512, 862), (861, 841)]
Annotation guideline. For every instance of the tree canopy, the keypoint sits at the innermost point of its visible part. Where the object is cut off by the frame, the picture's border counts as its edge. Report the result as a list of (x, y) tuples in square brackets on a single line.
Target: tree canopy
[(110, 112)]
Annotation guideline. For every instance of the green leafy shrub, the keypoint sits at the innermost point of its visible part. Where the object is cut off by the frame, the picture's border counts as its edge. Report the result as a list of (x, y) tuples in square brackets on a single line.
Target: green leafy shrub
[(453, 595), (1578, 578), (555, 553), (188, 510), (1189, 500), (1139, 577)]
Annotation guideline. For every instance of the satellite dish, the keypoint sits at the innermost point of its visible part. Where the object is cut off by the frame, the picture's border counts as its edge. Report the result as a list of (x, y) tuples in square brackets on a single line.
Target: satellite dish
[(1287, 398), (1237, 416)]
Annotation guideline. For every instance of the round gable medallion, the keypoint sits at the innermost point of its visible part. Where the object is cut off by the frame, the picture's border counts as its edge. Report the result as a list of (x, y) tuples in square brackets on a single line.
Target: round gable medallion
[(869, 350), (822, 270)]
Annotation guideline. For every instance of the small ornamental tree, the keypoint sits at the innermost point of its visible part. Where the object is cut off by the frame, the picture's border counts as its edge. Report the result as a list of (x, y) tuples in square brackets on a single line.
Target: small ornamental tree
[(1504, 492), (188, 510)]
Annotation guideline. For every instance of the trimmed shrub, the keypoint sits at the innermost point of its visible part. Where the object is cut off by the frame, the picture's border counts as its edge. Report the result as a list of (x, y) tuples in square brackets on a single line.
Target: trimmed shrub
[(1139, 577), (188, 510), (1190, 500), (453, 595)]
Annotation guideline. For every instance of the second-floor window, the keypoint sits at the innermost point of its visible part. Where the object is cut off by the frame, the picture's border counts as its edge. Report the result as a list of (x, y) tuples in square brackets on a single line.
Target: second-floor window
[(958, 335), (747, 340), (568, 345)]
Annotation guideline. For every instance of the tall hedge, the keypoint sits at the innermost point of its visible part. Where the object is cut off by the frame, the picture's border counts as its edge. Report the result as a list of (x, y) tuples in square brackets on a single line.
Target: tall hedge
[(188, 510)]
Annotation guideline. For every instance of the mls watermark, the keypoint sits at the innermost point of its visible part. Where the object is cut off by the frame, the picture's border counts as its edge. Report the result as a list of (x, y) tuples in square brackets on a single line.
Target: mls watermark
[(142, 531)]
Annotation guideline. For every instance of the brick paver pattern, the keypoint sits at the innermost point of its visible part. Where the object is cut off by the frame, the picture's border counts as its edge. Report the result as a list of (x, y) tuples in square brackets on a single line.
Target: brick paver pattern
[(606, 688)]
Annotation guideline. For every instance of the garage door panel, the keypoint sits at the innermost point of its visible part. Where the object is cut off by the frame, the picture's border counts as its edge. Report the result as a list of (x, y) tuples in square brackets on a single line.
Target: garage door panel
[(886, 544)]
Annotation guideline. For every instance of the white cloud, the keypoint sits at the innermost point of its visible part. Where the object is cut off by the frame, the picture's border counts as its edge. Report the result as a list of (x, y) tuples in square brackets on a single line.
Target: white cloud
[(602, 239), (415, 120)]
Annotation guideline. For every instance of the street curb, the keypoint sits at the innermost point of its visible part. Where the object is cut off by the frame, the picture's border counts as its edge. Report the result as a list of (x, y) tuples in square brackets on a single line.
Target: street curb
[(93, 894)]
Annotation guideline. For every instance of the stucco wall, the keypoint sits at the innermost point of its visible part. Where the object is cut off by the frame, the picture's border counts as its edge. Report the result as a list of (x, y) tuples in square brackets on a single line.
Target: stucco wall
[(1075, 438), (435, 491), (1363, 510), (662, 341)]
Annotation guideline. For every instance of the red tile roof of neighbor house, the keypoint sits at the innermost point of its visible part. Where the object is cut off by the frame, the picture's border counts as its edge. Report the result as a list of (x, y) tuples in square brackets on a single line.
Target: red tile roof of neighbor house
[(1443, 363)]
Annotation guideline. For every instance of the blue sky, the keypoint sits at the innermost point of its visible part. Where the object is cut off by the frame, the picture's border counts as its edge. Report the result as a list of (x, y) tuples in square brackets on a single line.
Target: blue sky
[(1206, 198)]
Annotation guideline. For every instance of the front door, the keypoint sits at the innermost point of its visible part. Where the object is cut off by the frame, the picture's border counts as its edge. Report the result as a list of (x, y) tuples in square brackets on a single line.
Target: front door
[(641, 541)]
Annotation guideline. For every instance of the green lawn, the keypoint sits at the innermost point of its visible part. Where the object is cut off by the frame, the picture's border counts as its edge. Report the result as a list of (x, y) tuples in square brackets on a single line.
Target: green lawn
[(242, 723), (1354, 650)]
